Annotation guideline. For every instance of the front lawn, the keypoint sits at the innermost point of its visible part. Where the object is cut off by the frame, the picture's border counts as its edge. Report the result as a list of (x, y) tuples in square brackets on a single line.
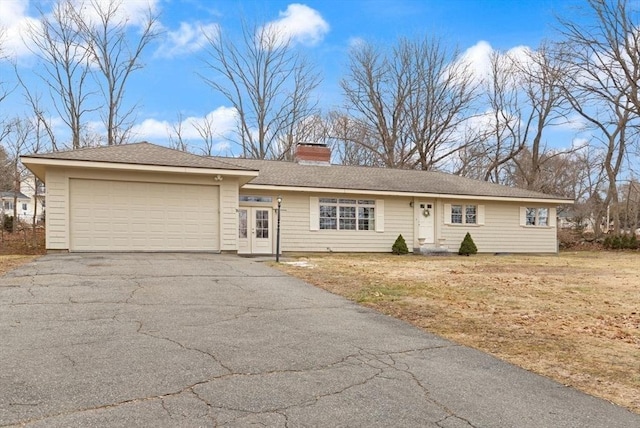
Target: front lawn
[(573, 317)]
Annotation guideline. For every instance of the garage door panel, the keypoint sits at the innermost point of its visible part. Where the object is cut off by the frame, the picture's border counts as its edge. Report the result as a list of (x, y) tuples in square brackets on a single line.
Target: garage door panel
[(138, 216)]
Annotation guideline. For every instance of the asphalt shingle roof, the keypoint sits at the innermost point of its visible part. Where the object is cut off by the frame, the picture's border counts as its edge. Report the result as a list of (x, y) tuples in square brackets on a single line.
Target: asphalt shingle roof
[(278, 173), (290, 174), (141, 154), (7, 195)]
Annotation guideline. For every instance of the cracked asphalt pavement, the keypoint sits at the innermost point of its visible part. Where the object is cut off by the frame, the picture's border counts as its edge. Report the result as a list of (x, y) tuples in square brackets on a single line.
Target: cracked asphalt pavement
[(168, 340)]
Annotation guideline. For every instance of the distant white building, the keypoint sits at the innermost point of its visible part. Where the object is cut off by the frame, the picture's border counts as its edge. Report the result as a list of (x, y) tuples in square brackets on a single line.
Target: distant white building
[(26, 201)]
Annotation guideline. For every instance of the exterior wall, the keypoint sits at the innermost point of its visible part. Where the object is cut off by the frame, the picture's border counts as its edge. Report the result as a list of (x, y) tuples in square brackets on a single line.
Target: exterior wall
[(228, 215), (57, 197), (296, 235), (57, 218), (502, 231)]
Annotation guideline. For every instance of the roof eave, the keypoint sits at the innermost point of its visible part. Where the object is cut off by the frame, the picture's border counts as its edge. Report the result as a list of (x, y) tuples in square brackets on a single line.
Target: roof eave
[(550, 200), (38, 166)]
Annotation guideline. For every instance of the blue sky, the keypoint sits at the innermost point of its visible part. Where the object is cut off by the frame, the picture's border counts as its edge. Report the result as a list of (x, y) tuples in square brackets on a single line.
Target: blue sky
[(169, 84)]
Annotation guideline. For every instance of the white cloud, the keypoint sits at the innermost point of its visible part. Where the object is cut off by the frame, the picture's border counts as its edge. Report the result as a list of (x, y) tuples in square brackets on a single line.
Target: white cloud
[(222, 121), (478, 57), (14, 24), (573, 122), (12, 11), (579, 143), (299, 23), (133, 12), (151, 129), (15, 21), (189, 38)]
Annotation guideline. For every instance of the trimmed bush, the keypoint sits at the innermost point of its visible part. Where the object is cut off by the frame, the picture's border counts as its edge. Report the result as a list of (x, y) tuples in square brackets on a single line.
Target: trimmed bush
[(468, 246), (620, 242), (400, 246)]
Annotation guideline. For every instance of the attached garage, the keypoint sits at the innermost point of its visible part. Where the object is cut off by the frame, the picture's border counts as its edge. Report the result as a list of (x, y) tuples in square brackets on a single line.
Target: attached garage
[(139, 197), (108, 215)]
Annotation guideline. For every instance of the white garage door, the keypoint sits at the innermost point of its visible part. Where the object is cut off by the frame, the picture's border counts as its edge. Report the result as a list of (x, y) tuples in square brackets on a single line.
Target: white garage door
[(136, 216)]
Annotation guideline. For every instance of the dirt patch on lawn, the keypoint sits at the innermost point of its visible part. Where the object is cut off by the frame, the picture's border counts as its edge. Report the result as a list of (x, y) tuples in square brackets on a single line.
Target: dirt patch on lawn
[(573, 317)]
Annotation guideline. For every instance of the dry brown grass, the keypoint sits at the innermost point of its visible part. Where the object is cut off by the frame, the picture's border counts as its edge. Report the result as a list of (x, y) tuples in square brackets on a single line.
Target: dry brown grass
[(11, 262), (19, 248), (573, 317)]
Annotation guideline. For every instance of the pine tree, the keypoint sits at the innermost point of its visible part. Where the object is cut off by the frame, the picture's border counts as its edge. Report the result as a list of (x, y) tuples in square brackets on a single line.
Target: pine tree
[(468, 246), (400, 246)]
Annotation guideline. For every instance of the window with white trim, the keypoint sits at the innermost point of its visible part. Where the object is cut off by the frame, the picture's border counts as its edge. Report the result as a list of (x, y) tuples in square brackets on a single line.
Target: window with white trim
[(464, 214), (536, 216), (346, 214)]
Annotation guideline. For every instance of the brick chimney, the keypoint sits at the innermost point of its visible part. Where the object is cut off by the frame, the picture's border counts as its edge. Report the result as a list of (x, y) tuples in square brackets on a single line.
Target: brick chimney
[(313, 154)]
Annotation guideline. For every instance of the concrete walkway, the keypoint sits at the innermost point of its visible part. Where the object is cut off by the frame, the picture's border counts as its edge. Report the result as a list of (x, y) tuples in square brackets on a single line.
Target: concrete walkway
[(168, 340)]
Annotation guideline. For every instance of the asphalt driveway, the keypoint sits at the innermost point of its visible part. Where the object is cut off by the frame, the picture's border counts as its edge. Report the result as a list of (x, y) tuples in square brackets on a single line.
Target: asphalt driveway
[(214, 340)]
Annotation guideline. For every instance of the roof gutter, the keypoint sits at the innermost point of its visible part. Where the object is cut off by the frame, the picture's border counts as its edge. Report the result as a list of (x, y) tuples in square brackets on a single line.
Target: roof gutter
[(559, 201)]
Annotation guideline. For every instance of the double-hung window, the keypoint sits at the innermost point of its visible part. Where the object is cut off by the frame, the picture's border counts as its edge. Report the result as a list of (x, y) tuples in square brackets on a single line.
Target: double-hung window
[(464, 214), (347, 214), (536, 216)]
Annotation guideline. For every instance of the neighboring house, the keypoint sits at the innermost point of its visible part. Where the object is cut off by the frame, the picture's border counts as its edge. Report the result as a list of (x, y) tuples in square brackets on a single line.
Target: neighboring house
[(22, 201), (27, 200), (36, 198), (143, 197)]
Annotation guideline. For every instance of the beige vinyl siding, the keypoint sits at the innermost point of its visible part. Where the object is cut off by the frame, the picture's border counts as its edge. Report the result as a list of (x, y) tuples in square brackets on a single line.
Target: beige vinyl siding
[(501, 231), (56, 219), (296, 219), (229, 215)]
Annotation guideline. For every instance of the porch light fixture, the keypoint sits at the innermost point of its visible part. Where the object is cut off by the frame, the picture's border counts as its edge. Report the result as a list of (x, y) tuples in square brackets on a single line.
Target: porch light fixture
[(279, 199)]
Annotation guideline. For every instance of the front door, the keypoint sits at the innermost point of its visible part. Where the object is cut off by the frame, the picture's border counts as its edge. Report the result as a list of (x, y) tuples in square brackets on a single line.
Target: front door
[(254, 230), (426, 230)]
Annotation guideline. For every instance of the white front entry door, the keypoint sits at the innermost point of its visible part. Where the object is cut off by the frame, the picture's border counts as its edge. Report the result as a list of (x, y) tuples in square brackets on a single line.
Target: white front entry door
[(254, 230), (426, 224)]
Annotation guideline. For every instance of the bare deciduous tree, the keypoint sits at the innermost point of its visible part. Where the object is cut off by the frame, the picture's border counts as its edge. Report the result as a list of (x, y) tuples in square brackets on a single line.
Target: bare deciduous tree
[(176, 134), (350, 141), (116, 54), (59, 45), (44, 122), (4, 89), (524, 98), (540, 77), (17, 142), (501, 139), (413, 101), (376, 90), (442, 91), (268, 82), (609, 39), (602, 60)]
